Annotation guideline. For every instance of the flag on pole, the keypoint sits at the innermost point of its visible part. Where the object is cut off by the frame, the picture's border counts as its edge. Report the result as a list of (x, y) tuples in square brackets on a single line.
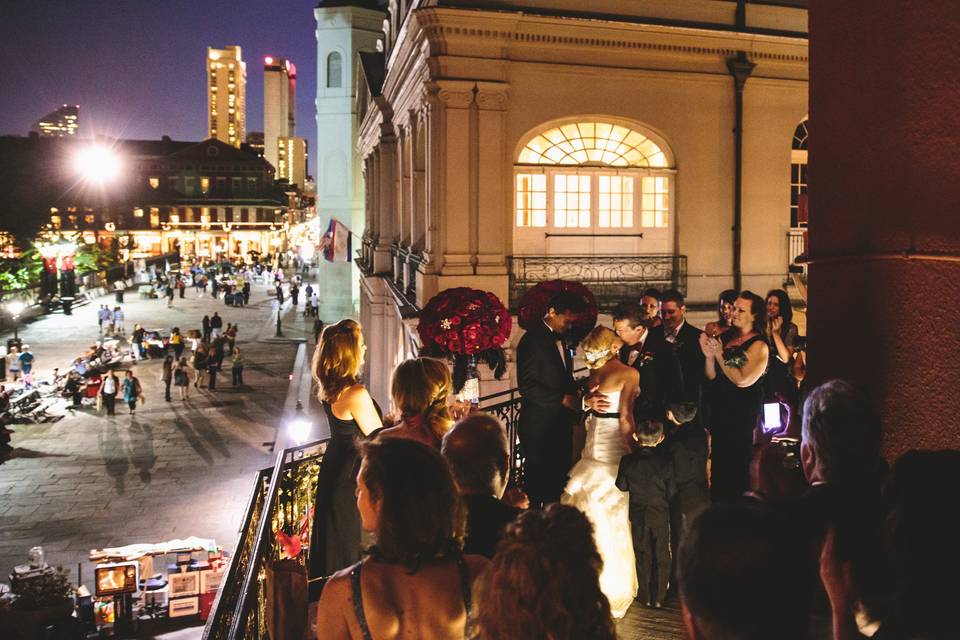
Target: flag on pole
[(336, 243)]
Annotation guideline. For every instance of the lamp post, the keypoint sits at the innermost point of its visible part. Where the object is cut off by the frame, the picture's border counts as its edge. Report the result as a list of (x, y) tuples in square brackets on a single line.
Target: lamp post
[(15, 308), (299, 427)]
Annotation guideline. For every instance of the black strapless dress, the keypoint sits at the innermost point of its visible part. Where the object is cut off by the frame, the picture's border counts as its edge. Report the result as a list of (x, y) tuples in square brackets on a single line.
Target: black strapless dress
[(733, 414), (335, 541)]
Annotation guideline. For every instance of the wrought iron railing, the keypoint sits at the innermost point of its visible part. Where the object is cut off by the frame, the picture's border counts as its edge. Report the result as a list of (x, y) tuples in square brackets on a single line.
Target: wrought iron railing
[(365, 256), (796, 245), (611, 278), (281, 501)]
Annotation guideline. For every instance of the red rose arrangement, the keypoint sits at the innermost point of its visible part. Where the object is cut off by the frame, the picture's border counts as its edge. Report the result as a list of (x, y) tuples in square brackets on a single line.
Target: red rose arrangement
[(533, 306), (462, 322)]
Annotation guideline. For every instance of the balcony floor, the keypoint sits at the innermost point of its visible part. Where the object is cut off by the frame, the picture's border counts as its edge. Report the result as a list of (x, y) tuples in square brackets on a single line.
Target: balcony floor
[(642, 623)]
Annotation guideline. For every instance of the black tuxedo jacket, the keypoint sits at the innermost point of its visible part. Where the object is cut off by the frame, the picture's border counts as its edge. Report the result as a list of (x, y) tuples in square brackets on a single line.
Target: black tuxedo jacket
[(690, 358), (660, 375), (542, 375)]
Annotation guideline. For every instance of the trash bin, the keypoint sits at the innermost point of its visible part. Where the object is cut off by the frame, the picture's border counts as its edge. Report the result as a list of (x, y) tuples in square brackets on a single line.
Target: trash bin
[(119, 296)]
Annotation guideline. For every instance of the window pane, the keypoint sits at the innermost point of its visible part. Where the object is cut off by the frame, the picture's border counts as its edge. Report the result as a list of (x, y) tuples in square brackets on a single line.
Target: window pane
[(531, 199)]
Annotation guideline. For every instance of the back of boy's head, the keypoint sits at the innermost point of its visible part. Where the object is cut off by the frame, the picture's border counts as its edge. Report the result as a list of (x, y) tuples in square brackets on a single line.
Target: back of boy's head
[(683, 412), (649, 432), (741, 577)]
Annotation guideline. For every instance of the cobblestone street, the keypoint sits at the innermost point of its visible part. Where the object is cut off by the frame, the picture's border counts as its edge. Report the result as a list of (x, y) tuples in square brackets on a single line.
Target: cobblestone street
[(171, 470)]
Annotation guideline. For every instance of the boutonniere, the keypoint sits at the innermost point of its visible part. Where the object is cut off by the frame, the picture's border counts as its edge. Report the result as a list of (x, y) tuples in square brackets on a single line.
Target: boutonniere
[(645, 358)]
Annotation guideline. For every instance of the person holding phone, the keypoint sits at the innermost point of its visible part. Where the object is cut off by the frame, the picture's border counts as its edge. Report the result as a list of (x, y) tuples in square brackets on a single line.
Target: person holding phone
[(735, 363)]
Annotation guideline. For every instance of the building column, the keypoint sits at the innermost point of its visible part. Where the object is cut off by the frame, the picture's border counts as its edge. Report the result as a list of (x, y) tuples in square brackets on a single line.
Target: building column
[(493, 183), (884, 275), (402, 178), (387, 213), (453, 173)]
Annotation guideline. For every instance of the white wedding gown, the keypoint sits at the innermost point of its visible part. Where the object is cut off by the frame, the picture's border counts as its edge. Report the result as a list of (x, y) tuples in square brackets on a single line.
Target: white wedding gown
[(592, 489)]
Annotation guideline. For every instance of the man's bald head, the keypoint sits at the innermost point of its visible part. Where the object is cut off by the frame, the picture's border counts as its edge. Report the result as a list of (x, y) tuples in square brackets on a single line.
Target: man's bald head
[(478, 453)]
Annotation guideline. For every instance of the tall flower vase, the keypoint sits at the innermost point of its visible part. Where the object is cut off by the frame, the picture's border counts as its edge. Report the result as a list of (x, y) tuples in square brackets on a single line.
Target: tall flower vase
[(471, 388)]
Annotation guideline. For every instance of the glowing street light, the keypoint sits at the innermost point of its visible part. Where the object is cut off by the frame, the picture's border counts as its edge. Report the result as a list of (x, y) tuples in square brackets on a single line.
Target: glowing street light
[(97, 164), (15, 308)]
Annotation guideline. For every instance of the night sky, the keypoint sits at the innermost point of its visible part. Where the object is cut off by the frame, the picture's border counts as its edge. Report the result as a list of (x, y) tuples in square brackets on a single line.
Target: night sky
[(137, 67)]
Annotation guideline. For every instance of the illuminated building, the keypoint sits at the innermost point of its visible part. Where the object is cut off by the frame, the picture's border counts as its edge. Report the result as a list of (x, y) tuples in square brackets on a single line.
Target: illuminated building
[(226, 95), (65, 121), (279, 106), (292, 160)]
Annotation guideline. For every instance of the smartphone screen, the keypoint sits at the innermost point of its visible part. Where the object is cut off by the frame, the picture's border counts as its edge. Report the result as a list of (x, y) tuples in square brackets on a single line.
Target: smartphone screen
[(771, 416)]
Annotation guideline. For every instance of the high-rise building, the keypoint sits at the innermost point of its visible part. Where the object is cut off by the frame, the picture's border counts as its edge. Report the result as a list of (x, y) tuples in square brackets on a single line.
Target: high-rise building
[(226, 95), (292, 160), (279, 106), (65, 121)]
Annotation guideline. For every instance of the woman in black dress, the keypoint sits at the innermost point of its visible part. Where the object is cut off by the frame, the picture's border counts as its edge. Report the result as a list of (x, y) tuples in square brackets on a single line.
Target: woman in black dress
[(735, 364), (351, 414), (780, 333)]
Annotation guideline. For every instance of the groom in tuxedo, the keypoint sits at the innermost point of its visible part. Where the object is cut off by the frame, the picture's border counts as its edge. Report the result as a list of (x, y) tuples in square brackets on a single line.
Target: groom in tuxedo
[(549, 406)]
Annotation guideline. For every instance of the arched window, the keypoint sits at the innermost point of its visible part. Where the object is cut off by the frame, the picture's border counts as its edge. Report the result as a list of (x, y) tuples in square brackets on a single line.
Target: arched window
[(798, 176), (334, 71), (596, 176)]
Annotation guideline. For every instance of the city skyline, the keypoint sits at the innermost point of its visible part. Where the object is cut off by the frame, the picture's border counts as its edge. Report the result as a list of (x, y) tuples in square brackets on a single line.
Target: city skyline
[(137, 70)]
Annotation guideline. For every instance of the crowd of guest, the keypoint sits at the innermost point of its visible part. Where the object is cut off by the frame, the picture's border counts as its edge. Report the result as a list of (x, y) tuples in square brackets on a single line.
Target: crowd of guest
[(681, 487)]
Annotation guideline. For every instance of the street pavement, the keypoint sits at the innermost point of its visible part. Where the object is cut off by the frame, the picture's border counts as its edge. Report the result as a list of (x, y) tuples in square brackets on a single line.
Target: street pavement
[(172, 470)]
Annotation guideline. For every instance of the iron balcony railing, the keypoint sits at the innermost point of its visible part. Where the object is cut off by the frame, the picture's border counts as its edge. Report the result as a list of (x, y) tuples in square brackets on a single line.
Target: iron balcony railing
[(796, 246), (365, 256), (611, 278), (281, 500)]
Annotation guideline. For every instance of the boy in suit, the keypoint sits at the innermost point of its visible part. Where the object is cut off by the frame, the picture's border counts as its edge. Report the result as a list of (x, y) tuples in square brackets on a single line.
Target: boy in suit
[(647, 474)]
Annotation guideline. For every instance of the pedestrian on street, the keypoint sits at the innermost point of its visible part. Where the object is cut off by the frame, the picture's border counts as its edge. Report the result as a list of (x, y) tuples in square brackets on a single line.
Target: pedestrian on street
[(279, 293), (181, 378), (13, 363), (232, 337), (205, 324), (26, 366), (246, 293), (166, 376), (118, 320), (218, 346), (200, 364), (216, 325), (182, 286), (169, 295), (214, 287), (103, 316), (212, 367), (294, 293), (108, 391), (315, 303), (176, 341), (136, 340), (132, 391), (237, 369), (317, 329)]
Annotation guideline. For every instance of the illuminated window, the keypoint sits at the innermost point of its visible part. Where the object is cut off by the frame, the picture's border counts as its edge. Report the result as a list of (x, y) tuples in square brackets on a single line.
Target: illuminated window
[(55, 221), (654, 205), (204, 215), (334, 65), (89, 218), (615, 208), (531, 200), (221, 214), (174, 218), (189, 214), (154, 182), (204, 185), (599, 143), (571, 200), (138, 212), (154, 217), (798, 176)]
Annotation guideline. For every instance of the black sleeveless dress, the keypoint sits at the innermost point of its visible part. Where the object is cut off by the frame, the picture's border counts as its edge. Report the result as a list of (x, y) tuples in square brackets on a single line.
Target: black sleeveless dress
[(733, 413), (335, 541)]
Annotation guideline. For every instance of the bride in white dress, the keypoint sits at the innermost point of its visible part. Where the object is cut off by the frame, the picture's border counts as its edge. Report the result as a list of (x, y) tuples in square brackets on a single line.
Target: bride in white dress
[(591, 486)]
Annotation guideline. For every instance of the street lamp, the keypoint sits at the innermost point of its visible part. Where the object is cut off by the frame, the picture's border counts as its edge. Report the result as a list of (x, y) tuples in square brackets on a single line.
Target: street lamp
[(97, 164), (15, 308)]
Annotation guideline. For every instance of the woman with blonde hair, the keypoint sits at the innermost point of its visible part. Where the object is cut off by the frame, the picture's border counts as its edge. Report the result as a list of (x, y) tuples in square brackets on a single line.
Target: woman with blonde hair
[(352, 414), (420, 388), (592, 485)]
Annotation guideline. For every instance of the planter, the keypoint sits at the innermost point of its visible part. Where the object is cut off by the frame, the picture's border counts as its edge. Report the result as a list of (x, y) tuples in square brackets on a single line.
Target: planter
[(29, 625)]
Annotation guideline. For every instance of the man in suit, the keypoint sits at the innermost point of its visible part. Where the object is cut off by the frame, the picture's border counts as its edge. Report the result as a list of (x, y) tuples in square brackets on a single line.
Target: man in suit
[(644, 350), (549, 405), (684, 338)]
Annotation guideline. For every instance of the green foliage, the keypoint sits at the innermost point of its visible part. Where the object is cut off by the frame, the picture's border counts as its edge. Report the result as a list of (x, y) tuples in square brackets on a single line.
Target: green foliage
[(47, 590)]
